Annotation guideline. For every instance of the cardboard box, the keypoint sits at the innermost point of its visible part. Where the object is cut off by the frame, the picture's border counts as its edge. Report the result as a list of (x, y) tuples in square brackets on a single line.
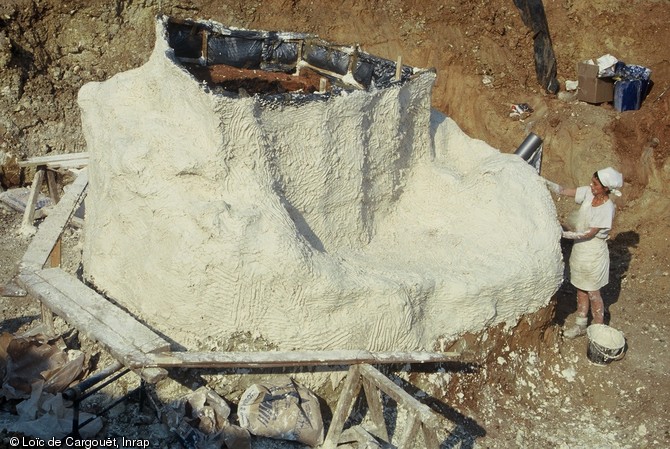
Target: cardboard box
[(591, 88)]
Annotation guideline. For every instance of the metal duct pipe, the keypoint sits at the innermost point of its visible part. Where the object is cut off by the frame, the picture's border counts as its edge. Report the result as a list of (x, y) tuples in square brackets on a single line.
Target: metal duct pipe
[(528, 147)]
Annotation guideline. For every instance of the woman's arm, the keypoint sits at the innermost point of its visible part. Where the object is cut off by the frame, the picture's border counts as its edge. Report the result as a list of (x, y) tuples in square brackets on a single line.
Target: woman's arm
[(585, 235), (560, 190), (569, 191)]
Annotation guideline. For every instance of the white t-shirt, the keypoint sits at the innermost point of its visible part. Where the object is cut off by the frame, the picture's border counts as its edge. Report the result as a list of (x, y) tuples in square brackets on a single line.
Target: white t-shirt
[(593, 217)]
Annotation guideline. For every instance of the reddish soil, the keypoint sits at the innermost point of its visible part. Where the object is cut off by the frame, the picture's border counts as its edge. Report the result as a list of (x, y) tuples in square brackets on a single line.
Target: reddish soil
[(252, 82)]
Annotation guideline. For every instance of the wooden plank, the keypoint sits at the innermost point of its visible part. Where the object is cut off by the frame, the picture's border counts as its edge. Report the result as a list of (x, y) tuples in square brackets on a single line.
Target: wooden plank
[(80, 319), (360, 436), (29, 212), (376, 408), (13, 199), (398, 68), (99, 309), (53, 186), (352, 386), (68, 165), (12, 290), (269, 359), (430, 439), (408, 438), (47, 315), (55, 255), (151, 375), (50, 230), (53, 158), (425, 413), (47, 320), (120, 346), (203, 51)]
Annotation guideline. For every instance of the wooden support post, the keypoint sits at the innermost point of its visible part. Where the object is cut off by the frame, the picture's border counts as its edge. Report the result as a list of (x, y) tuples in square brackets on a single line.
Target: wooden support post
[(47, 320), (55, 255), (40, 248), (398, 68), (425, 413), (29, 213), (322, 84), (47, 315), (429, 436), (373, 398), (53, 187), (203, 51), (408, 437), (350, 390)]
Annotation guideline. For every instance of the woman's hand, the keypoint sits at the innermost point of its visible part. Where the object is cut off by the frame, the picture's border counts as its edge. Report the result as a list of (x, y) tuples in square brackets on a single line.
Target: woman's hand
[(572, 235), (553, 187)]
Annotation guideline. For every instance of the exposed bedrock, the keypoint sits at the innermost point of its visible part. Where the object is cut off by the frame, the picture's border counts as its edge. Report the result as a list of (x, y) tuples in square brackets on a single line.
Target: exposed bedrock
[(364, 221)]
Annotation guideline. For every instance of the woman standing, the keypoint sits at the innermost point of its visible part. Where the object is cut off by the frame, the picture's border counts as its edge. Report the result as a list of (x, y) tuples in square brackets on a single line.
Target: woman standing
[(589, 260)]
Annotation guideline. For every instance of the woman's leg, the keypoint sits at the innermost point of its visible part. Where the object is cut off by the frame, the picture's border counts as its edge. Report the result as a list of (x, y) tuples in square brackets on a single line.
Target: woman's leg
[(582, 316), (597, 307), (582, 303)]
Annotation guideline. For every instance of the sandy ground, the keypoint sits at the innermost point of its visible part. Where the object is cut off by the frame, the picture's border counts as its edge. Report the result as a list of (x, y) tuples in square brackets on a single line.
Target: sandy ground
[(531, 389)]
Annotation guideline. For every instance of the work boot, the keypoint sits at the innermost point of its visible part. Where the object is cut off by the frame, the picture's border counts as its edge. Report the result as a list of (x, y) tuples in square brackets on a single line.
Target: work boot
[(578, 329)]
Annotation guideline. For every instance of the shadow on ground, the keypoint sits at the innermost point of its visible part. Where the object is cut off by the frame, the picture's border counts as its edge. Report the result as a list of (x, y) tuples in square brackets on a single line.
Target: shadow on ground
[(620, 257)]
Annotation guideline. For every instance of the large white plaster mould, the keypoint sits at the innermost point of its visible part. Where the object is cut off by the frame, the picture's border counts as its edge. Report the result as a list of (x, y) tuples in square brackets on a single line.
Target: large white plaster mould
[(365, 221)]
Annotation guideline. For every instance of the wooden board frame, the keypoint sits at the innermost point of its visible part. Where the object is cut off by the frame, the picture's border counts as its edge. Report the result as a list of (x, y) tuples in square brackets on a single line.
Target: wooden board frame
[(421, 417), (140, 349)]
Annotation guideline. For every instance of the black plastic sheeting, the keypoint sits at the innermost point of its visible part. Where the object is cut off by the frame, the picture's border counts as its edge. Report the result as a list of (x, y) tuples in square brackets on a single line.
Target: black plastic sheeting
[(533, 16), (185, 40), (234, 51), (279, 54), (274, 51), (326, 58)]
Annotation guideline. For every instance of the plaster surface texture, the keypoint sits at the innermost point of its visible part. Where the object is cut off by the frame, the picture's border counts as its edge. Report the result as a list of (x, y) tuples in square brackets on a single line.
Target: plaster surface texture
[(364, 221)]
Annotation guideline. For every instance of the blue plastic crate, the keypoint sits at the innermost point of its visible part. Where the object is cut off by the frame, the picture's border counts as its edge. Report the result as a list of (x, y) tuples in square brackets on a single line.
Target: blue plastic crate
[(631, 87), (628, 94)]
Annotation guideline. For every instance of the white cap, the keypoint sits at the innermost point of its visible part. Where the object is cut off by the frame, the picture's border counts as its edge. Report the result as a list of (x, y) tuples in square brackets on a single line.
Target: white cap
[(611, 179)]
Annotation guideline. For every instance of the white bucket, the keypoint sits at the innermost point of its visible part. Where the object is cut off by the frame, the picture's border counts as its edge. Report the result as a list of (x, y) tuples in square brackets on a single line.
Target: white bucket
[(605, 344)]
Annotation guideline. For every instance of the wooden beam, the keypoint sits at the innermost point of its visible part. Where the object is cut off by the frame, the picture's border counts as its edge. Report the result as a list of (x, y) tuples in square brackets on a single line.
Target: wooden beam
[(408, 437), (47, 320), (203, 50), (352, 385), (54, 259), (423, 412), (360, 436), (54, 158), (96, 307), (398, 68), (47, 316), (124, 337), (53, 186), (12, 290), (51, 228), (29, 212), (430, 439), (269, 359), (376, 408), (70, 165)]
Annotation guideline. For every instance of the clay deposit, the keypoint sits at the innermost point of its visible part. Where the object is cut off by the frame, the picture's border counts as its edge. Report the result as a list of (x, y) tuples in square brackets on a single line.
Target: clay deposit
[(364, 221)]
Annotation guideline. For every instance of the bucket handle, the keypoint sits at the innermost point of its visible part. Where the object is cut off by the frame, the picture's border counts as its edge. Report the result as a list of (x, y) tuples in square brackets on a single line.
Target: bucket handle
[(611, 357)]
